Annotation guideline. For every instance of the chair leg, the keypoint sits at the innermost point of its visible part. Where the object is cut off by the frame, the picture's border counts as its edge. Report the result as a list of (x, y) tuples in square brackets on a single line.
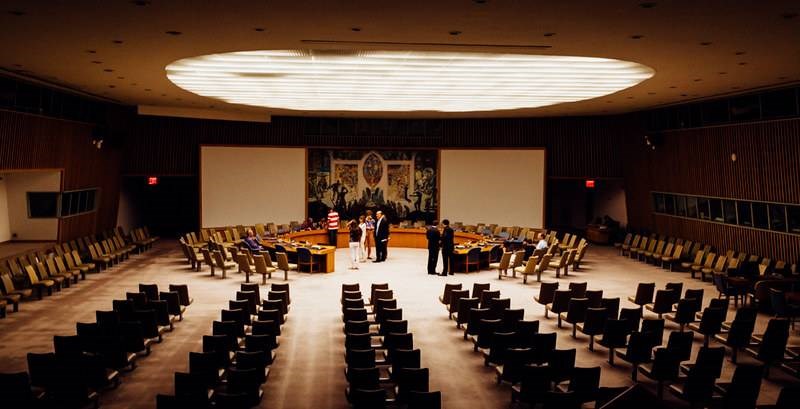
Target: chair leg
[(591, 343), (611, 356)]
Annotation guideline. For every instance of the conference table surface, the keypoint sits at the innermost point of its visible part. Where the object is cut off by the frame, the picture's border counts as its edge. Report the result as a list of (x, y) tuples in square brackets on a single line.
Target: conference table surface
[(398, 237)]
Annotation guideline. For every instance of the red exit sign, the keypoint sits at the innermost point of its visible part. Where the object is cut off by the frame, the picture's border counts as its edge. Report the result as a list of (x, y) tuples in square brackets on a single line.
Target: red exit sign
[(152, 180), (590, 183)]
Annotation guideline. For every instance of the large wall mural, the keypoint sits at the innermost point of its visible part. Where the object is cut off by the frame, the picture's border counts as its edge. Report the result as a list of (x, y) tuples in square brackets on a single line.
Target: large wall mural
[(402, 183)]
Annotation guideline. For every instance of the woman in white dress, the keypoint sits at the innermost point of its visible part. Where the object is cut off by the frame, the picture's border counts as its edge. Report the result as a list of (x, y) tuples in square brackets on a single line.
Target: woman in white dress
[(355, 235), (362, 223)]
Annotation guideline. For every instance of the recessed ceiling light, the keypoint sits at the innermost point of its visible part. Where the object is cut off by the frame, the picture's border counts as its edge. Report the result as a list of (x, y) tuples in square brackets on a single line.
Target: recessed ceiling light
[(549, 34), (97, 62), (109, 70), (673, 86), (684, 95), (141, 2), (133, 84), (355, 29), (735, 87), (117, 41), (173, 33), (651, 93), (698, 79), (120, 78), (647, 4), (17, 13), (163, 95), (91, 51), (363, 80), (630, 97), (722, 73), (259, 29), (637, 37), (479, 1), (454, 32), (112, 86), (147, 89), (705, 43), (743, 63), (740, 53)]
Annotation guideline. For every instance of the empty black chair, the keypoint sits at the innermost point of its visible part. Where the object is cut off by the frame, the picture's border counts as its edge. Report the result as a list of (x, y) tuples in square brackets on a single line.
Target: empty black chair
[(576, 313), (139, 299), (358, 341), (362, 378), (501, 342), (478, 289), (709, 361), (781, 308), (578, 289), (282, 296), (275, 305), (355, 327), (382, 303), (424, 400), (680, 344), (665, 368), (190, 391), (487, 296), (354, 314), (542, 345), (677, 289), (367, 398), (359, 359), (695, 294), (271, 315), (376, 287), (525, 331), (394, 342), (353, 295), (350, 287), (282, 287), (742, 391), (737, 337), (183, 293), (773, 344), (123, 311), (697, 390), (638, 352), (516, 361), (748, 313), (536, 382), (411, 379), (246, 381), (254, 288), (644, 294), (593, 324), (547, 291), (395, 314), (663, 302), (511, 318), (230, 329), (15, 388), (262, 343), (253, 360), (475, 317), (612, 307), (560, 303), (150, 290), (393, 326), (352, 303), (633, 316), (584, 383), (220, 345), (615, 335), (497, 306), (161, 309), (268, 327), (405, 358), (229, 400), (562, 362), (205, 367), (711, 323), (595, 298), (654, 328), (173, 303), (448, 289), (455, 301), (252, 301), (69, 346), (486, 332)]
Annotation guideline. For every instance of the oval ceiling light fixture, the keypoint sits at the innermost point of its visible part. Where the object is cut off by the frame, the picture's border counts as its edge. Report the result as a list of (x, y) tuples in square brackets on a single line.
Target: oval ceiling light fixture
[(352, 80)]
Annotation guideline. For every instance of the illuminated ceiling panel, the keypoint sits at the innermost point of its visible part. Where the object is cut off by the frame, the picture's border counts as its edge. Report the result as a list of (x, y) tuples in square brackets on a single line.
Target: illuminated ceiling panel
[(333, 80)]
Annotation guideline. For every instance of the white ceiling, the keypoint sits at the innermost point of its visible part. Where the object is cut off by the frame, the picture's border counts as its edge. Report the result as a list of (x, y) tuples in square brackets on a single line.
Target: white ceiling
[(119, 49)]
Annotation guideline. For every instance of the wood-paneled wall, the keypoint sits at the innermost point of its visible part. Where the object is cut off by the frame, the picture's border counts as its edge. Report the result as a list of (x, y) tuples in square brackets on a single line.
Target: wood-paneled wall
[(34, 142), (698, 161), (576, 147)]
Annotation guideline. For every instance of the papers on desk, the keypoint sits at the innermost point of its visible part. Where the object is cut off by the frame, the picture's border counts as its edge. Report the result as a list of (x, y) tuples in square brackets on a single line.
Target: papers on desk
[(316, 247), (460, 247)]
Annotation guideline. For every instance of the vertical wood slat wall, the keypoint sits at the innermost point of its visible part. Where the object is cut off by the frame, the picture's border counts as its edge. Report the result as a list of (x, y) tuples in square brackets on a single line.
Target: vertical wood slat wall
[(698, 161), (34, 142), (576, 147)]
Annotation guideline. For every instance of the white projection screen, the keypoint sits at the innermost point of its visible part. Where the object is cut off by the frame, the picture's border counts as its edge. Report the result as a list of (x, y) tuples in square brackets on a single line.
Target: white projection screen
[(503, 186), (249, 185)]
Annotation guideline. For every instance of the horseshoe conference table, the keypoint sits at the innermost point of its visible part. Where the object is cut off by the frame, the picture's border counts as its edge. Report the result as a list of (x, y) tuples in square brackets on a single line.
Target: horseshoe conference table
[(398, 237)]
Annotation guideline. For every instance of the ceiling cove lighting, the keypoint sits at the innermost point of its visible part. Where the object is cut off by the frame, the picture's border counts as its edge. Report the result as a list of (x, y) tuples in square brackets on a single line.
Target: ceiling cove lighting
[(349, 80)]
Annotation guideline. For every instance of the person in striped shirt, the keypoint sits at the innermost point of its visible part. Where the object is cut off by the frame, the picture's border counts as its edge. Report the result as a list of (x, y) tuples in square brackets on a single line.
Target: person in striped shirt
[(333, 226)]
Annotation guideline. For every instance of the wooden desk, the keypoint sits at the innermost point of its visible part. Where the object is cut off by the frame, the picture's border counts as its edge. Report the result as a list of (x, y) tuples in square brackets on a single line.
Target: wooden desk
[(460, 257), (325, 255)]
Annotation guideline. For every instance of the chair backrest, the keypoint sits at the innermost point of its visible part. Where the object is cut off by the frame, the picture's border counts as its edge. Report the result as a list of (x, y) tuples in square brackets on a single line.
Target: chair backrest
[(561, 301), (719, 266), (478, 288), (578, 289), (283, 260), (612, 306), (644, 293), (547, 291), (680, 344)]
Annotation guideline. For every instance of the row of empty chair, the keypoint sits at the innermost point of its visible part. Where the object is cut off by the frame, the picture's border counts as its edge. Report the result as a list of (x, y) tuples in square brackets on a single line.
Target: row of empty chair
[(529, 361), (220, 258), (47, 270), (382, 366), (235, 360), (84, 365), (558, 256)]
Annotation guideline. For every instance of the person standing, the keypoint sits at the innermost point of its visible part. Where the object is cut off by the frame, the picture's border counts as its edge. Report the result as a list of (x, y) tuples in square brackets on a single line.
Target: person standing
[(434, 238), (333, 226), (370, 233), (448, 245), (381, 237), (355, 234), (362, 224)]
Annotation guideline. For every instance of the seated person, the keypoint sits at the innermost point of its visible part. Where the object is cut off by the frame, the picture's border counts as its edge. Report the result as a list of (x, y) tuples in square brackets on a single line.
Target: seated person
[(542, 244), (250, 241), (308, 224), (528, 247)]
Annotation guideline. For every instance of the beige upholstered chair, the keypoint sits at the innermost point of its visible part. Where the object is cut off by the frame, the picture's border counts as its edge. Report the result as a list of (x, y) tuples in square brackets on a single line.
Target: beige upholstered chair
[(283, 263), (220, 262), (502, 265), (671, 259), (264, 269), (39, 284), (561, 263)]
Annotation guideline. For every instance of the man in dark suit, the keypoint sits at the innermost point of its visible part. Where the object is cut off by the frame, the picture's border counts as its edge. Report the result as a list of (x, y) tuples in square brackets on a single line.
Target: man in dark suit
[(381, 237), (448, 235), (433, 236)]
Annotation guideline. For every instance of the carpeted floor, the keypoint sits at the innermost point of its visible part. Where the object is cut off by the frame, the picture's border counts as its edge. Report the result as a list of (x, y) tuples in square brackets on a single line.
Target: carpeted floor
[(308, 372)]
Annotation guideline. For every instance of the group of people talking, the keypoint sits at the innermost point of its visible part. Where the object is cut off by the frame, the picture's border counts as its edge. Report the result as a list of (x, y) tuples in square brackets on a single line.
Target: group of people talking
[(364, 233)]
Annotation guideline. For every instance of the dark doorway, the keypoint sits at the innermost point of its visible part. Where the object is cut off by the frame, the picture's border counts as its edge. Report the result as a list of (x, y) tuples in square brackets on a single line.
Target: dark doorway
[(169, 207)]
